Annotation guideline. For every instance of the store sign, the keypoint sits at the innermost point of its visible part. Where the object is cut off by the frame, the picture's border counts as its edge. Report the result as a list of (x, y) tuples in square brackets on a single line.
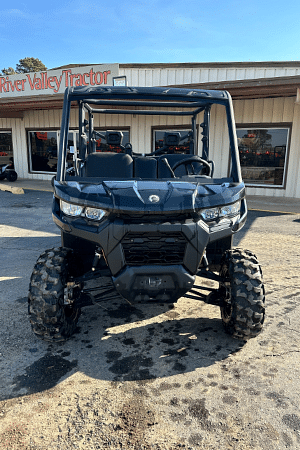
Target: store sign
[(56, 81)]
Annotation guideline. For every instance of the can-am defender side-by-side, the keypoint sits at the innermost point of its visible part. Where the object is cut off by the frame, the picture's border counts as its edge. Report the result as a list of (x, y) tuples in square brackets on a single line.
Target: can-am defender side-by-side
[(145, 225)]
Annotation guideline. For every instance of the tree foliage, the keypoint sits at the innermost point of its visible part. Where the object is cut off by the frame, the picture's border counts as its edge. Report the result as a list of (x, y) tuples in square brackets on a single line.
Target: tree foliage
[(26, 65), (9, 71)]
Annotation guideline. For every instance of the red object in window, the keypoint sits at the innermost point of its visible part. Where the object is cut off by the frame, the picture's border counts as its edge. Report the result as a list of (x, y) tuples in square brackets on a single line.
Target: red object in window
[(42, 136), (3, 154), (251, 135)]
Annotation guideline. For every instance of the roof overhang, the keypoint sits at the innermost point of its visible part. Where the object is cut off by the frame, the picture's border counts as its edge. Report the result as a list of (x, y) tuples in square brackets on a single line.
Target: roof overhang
[(15, 107), (213, 65), (239, 90), (254, 88)]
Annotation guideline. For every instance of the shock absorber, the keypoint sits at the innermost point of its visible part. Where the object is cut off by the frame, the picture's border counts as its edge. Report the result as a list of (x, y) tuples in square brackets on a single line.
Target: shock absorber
[(205, 261), (97, 257)]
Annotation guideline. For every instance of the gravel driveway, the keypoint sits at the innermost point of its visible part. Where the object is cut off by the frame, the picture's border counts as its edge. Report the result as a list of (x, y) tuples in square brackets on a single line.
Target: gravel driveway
[(148, 377)]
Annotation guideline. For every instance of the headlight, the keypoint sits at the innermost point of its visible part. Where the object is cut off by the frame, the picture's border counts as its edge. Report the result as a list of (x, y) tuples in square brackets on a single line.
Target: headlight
[(75, 210), (94, 213), (221, 212), (230, 210), (210, 214), (70, 209)]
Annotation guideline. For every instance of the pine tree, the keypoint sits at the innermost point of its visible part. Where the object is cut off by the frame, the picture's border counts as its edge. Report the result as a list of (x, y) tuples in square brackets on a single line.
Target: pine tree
[(26, 65)]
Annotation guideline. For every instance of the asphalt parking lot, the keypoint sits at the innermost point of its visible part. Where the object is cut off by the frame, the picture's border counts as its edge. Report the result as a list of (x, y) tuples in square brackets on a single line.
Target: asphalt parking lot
[(151, 376)]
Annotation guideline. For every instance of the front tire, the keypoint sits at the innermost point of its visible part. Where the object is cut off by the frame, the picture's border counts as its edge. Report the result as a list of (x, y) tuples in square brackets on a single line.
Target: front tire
[(12, 175), (50, 317), (243, 311)]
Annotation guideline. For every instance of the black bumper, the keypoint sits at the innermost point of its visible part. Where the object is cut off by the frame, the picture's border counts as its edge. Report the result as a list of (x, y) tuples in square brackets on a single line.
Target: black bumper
[(153, 283)]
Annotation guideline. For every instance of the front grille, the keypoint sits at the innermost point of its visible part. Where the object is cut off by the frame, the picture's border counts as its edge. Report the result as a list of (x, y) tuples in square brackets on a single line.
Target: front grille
[(153, 248), (171, 217)]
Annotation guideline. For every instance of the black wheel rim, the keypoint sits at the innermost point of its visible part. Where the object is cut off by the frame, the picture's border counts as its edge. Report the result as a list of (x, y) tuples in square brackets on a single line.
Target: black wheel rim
[(226, 309)]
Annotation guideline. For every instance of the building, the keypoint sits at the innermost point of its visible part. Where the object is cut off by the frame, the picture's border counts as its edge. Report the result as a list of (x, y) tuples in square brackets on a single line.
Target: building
[(266, 97)]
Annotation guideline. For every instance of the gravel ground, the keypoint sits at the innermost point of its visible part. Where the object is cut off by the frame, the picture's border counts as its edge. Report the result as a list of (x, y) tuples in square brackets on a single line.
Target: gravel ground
[(151, 376)]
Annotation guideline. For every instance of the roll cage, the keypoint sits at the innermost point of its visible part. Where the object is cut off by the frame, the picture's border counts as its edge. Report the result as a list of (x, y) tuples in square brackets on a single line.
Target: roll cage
[(134, 100)]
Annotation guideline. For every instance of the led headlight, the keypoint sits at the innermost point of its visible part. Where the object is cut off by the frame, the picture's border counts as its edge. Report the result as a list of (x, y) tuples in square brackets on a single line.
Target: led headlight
[(210, 214), (94, 213), (230, 210), (221, 212), (70, 209)]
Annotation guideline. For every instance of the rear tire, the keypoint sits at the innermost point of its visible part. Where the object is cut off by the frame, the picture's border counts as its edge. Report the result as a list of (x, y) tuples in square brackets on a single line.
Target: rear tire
[(243, 294), (51, 319)]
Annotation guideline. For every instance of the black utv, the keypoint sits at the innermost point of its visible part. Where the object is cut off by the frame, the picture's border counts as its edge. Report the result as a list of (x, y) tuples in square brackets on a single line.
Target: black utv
[(144, 221), (8, 171)]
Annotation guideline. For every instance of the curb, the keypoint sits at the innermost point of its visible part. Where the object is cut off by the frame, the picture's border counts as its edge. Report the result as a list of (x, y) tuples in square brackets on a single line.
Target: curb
[(12, 189), (27, 188), (272, 211)]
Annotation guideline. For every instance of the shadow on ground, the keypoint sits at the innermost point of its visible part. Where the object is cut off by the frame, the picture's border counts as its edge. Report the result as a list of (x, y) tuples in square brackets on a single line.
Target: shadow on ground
[(128, 343), (114, 341)]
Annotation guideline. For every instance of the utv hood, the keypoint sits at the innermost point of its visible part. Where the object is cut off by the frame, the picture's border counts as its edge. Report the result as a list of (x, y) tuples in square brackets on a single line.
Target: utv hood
[(149, 196)]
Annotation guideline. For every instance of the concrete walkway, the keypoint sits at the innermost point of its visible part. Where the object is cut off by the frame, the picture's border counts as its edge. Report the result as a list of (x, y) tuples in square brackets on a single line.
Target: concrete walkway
[(287, 205), (260, 203), (17, 187)]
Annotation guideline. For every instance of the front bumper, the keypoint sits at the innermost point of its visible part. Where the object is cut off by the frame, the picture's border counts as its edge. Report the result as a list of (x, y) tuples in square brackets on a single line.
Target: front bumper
[(112, 237), (153, 283)]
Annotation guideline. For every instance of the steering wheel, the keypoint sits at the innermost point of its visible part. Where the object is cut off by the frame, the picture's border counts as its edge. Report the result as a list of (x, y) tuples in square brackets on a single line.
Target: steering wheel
[(190, 160)]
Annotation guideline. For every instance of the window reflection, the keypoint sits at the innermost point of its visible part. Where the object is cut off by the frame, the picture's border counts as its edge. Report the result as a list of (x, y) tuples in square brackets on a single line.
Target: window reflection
[(103, 146), (43, 147), (263, 154), (182, 147), (6, 150)]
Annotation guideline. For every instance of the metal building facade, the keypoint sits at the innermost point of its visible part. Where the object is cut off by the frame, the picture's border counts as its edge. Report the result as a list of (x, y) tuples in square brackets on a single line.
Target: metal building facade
[(264, 94)]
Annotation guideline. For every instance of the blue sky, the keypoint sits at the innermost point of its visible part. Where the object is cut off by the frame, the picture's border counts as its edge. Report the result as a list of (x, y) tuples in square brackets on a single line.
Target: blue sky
[(138, 31)]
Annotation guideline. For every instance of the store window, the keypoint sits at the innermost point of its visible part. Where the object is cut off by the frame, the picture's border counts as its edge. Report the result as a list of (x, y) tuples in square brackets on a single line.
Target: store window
[(6, 150), (182, 147), (103, 146), (43, 149), (263, 154)]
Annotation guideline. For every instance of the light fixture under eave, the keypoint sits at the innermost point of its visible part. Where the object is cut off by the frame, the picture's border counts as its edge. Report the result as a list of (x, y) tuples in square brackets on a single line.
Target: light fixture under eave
[(120, 81)]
